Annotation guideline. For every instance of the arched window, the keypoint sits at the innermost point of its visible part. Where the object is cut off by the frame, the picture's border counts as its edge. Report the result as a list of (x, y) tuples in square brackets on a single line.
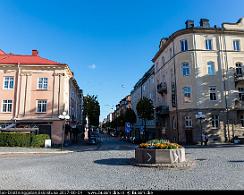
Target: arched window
[(239, 69), (211, 69), (185, 69)]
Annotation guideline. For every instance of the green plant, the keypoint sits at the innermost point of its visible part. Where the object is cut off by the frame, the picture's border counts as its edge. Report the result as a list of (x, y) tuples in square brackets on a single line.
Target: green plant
[(39, 140), (15, 139), (157, 141)]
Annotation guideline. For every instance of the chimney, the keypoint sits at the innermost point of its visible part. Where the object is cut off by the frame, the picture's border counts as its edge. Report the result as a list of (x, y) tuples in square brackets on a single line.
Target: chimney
[(35, 52), (204, 23), (162, 42), (189, 24)]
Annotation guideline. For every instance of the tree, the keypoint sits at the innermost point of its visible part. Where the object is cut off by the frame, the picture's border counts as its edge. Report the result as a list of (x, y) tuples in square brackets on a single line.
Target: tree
[(92, 109), (145, 110), (130, 116)]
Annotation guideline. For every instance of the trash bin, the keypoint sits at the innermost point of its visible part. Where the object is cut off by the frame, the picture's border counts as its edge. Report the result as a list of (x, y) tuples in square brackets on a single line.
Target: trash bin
[(48, 143)]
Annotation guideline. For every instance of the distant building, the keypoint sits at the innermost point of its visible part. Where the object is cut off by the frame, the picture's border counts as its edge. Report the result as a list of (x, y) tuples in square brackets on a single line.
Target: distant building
[(145, 87), (35, 92)]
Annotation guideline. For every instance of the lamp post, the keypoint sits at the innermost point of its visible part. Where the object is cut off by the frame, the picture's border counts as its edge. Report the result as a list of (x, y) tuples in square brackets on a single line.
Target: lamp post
[(201, 117), (64, 117)]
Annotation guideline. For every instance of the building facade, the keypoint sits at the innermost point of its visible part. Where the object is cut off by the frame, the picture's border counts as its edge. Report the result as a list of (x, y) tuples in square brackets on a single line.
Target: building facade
[(35, 91), (200, 69), (145, 87)]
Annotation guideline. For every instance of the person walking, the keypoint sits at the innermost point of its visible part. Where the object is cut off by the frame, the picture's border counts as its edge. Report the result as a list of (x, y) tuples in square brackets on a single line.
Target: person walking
[(203, 139), (206, 139)]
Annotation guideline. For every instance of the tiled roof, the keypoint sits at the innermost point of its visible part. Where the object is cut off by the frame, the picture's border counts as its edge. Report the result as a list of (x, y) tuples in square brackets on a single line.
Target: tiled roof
[(33, 59)]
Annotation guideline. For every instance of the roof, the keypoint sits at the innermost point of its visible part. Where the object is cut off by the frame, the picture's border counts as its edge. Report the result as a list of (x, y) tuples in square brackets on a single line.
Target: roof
[(33, 59)]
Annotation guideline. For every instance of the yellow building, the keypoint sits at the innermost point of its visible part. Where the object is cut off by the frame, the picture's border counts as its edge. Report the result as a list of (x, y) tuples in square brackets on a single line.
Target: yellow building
[(200, 69)]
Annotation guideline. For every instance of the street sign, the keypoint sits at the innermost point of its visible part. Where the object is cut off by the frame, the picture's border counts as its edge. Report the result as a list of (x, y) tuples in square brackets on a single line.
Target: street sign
[(128, 128)]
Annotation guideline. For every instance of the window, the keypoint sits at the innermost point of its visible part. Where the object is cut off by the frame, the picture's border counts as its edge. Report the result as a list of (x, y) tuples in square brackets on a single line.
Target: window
[(211, 69), (236, 45), (208, 44), (7, 105), (42, 83), (242, 120), (215, 121), (171, 52), (183, 45), (163, 60), (173, 123), (212, 93), (185, 69), (239, 69), (188, 121), (41, 106), (187, 94), (144, 88), (8, 82), (241, 93)]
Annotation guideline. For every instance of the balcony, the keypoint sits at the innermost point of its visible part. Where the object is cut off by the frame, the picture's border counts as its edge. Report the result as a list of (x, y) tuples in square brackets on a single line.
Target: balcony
[(162, 110), (162, 88), (238, 77)]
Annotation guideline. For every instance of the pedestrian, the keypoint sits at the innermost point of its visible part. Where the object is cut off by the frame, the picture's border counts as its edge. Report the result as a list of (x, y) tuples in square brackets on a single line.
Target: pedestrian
[(203, 139), (206, 139)]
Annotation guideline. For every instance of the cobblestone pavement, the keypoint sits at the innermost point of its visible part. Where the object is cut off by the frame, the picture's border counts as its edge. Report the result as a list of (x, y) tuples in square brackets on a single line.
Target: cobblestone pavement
[(108, 168)]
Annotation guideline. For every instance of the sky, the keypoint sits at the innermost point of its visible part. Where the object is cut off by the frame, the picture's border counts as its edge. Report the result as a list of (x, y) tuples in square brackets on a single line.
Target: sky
[(108, 44)]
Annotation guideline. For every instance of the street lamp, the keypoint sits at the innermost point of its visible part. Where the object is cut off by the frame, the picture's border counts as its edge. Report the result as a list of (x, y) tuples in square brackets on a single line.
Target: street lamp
[(64, 117), (201, 117)]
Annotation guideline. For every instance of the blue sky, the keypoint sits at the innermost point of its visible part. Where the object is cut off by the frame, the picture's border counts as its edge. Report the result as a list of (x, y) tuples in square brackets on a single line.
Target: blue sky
[(108, 44)]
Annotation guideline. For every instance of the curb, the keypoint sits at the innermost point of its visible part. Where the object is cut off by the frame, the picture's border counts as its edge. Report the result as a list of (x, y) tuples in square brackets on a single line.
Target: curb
[(54, 152)]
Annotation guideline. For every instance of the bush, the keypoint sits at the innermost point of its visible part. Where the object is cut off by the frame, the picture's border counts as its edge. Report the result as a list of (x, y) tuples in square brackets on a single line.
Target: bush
[(39, 140), (157, 141), (22, 139), (15, 139)]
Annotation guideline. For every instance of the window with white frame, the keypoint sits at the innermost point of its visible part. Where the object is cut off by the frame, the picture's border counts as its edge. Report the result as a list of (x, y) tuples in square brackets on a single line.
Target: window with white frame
[(236, 45), (242, 120), (211, 69), (185, 69), (184, 45), (212, 93), (7, 106), (188, 121), (42, 83), (208, 44), (187, 94), (215, 121), (239, 69), (8, 82), (41, 106)]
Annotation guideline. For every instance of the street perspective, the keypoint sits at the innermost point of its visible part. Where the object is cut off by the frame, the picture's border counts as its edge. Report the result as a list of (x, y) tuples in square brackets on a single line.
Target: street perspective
[(121, 97)]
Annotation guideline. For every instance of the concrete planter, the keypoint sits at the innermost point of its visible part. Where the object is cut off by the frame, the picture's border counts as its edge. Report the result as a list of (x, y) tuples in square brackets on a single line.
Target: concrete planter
[(159, 156)]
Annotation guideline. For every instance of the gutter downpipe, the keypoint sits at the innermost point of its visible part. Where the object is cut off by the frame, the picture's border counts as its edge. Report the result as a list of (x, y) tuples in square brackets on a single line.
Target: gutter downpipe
[(226, 103), (177, 116)]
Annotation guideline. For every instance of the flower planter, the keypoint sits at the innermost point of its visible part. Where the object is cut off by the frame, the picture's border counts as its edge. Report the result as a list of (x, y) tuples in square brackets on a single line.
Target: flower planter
[(159, 156)]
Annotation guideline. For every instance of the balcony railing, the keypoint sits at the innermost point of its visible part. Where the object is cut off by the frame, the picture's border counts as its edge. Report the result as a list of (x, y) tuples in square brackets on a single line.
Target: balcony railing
[(238, 77), (162, 110), (162, 88)]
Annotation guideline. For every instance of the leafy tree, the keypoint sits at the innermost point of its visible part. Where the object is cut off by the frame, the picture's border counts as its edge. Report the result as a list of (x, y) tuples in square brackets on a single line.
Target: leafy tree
[(130, 116), (92, 109), (145, 110)]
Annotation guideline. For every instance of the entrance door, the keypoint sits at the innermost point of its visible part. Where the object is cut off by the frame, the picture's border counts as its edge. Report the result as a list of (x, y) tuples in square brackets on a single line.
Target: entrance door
[(189, 138)]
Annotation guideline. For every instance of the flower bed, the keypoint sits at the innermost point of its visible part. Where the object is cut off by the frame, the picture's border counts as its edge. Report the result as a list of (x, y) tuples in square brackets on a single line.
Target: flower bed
[(159, 152)]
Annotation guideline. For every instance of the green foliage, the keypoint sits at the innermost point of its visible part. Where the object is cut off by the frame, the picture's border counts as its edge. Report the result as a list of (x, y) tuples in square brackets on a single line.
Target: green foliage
[(22, 139), (39, 140), (145, 109), (15, 139), (92, 109), (130, 116), (158, 141)]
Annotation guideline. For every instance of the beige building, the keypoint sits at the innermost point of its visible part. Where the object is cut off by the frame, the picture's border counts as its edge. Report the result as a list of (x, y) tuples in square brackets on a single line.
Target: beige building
[(145, 87), (35, 91), (200, 69)]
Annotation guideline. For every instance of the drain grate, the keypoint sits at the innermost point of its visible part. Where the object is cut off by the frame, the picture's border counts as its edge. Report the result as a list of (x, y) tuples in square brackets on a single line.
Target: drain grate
[(201, 159)]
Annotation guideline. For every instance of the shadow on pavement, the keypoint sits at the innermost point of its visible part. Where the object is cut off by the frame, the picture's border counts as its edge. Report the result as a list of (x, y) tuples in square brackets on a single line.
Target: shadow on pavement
[(236, 161), (214, 146), (115, 161)]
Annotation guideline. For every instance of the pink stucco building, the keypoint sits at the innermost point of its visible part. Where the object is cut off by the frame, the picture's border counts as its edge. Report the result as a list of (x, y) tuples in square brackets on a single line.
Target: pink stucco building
[(35, 91)]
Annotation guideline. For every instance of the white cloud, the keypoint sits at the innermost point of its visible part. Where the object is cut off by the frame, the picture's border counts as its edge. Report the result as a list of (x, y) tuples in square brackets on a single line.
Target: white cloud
[(92, 66)]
